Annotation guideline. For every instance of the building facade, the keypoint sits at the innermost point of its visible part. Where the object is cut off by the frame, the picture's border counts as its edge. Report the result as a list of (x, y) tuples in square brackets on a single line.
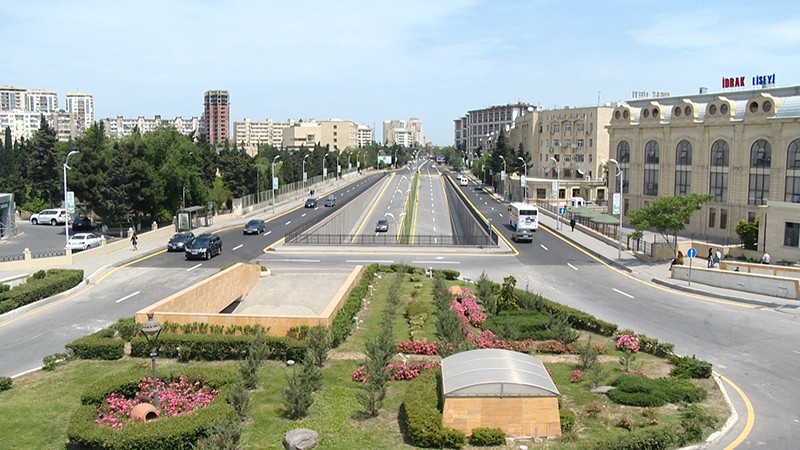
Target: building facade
[(21, 111), (250, 134), (336, 134), (404, 133), (471, 131), (120, 126), (742, 147), (82, 105), (366, 136), (216, 116)]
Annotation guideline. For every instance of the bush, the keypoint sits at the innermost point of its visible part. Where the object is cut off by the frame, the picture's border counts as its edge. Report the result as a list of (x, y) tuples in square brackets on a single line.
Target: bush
[(568, 420), (641, 391), (450, 274), (127, 328), (5, 383), (50, 362), (40, 286), (686, 367), (343, 322), (519, 325), (98, 346), (216, 347), (748, 233), (4, 288), (487, 437), (646, 438), (695, 421), (422, 415)]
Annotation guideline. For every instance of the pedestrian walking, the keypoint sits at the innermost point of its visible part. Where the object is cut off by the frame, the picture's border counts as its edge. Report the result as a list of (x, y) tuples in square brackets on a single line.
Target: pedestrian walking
[(135, 241), (710, 257), (572, 223), (717, 256)]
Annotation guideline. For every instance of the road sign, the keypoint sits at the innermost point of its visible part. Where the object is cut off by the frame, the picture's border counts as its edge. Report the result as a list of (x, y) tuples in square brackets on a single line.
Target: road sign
[(522, 181), (70, 202), (562, 210), (503, 175), (274, 182), (615, 203), (554, 189), (691, 253)]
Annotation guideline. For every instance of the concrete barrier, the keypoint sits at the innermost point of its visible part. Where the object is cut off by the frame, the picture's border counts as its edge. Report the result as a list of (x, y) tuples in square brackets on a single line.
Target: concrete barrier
[(783, 287), (761, 269)]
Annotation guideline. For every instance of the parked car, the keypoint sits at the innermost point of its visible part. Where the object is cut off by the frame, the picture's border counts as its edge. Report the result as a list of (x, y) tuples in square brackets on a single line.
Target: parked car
[(81, 223), (254, 226), (522, 235), (83, 241), (330, 202), (205, 246), (179, 241), (382, 225), (311, 202), (52, 216)]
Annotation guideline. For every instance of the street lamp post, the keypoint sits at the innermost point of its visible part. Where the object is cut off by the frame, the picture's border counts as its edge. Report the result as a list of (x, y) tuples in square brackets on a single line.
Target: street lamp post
[(304, 171), (504, 175), (395, 159), (151, 330), (525, 188), (273, 182), (66, 207), (558, 193), (620, 174), (337, 166)]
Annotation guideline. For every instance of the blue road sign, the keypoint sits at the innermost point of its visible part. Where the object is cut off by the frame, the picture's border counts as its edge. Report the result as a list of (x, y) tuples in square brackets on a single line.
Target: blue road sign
[(562, 210), (691, 253)]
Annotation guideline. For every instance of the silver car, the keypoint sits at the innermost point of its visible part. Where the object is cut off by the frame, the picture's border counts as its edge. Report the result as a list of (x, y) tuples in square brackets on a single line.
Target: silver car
[(83, 241)]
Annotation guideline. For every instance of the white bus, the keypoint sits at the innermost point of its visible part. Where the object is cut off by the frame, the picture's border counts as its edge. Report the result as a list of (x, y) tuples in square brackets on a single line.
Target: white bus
[(462, 180), (523, 215)]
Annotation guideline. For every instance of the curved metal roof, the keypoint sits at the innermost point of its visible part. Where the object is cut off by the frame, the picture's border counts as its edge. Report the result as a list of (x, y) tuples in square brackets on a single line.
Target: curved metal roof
[(495, 373)]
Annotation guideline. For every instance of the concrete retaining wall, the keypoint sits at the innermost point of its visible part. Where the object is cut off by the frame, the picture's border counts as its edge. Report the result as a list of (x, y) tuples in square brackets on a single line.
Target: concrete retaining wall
[(761, 269), (775, 286)]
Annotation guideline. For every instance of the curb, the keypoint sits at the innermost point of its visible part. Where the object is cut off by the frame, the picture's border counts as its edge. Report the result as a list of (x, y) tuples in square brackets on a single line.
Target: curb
[(606, 259), (718, 295)]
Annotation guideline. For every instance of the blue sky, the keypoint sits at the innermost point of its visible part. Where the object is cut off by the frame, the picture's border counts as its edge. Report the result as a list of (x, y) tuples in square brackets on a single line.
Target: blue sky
[(369, 61)]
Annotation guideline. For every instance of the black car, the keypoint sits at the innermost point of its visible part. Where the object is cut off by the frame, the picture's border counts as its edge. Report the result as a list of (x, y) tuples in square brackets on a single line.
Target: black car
[(81, 223), (204, 246), (311, 202), (382, 225), (178, 241), (330, 202), (254, 226)]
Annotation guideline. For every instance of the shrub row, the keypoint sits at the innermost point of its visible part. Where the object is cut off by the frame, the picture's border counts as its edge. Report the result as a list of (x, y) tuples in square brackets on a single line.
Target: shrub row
[(642, 391), (97, 346), (579, 319), (423, 418), (520, 325), (343, 322), (689, 367), (487, 437), (4, 288), (658, 437), (210, 347), (40, 286)]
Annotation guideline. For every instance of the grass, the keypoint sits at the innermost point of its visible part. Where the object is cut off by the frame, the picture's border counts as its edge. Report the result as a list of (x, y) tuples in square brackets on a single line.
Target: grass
[(36, 411)]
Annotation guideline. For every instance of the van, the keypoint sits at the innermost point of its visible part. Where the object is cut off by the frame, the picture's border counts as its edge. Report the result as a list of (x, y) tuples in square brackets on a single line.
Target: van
[(577, 201), (462, 180)]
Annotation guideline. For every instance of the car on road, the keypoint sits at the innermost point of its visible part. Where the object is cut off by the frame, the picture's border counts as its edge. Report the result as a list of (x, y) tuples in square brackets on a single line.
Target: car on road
[(522, 235), (382, 225), (205, 246), (178, 241), (82, 223), (83, 241), (254, 226), (330, 202), (51, 216), (478, 186), (311, 202)]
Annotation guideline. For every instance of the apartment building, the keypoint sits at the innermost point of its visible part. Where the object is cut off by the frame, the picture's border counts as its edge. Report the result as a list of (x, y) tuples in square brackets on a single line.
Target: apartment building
[(405, 133), (216, 116), (366, 136), (471, 130), (250, 134), (13, 98), (335, 133), (82, 105), (120, 126), (741, 146), (41, 101)]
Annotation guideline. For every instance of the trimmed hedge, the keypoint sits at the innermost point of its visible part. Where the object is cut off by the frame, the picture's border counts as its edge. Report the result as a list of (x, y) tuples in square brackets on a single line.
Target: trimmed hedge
[(689, 367), (520, 324), (486, 437), (40, 286), (658, 437), (217, 347), (422, 415), (5, 383), (97, 347), (634, 390), (343, 322)]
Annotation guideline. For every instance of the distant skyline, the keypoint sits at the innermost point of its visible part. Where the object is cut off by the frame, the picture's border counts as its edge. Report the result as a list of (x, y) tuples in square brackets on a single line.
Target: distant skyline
[(369, 61)]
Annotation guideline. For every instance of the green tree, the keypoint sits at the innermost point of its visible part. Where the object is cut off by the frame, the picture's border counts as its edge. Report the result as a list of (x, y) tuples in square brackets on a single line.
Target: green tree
[(668, 215), (507, 298), (219, 193), (42, 172), (748, 233)]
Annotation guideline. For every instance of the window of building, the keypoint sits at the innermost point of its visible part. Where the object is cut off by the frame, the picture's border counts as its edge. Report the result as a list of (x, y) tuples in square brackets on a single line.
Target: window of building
[(541, 193), (719, 153), (651, 152), (751, 216), (723, 109), (568, 127), (556, 143), (579, 158), (625, 205), (579, 142), (625, 180), (712, 109), (624, 152), (723, 219), (683, 182), (579, 127), (712, 217), (718, 186), (601, 194), (791, 234), (650, 181), (793, 172), (760, 162), (683, 153), (556, 128)]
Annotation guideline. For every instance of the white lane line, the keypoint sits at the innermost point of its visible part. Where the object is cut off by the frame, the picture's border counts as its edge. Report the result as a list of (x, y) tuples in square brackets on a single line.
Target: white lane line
[(492, 208), (434, 219), (500, 214), (237, 247), (540, 245), (623, 293), (573, 267), (369, 261), (436, 262), (303, 215), (287, 223), (194, 267), (267, 233), (295, 260), (434, 229), (127, 297)]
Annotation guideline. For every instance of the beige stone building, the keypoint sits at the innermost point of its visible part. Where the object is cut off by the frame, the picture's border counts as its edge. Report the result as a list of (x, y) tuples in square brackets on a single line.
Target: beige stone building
[(250, 134), (741, 146), (335, 133)]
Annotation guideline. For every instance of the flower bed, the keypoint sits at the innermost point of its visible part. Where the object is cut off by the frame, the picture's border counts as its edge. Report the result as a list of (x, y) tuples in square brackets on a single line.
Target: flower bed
[(398, 371)]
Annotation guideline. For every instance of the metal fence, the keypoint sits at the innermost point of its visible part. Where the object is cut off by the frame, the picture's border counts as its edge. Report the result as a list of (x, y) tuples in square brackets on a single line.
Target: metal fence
[(48, 254), (6, 258), (290, 189), (304, 238)]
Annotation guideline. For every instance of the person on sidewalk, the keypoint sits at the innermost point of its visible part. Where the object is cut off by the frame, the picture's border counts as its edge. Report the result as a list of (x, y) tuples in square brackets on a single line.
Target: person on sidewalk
[(134, 241), (765, 258), (678, 260), (717, 256), (572, 223), (710, 257)]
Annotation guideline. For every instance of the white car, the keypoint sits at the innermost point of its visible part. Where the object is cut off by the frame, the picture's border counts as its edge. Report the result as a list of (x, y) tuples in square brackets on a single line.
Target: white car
[(54, 216), (83, 241)]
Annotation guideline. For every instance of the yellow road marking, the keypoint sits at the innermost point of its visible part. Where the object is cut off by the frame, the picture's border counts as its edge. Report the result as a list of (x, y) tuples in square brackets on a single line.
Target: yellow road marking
[(751, 414), (369, 213), (416, 208)]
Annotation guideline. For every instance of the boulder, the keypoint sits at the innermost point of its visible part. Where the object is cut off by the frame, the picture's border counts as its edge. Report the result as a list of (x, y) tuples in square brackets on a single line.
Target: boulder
[(300, 439)]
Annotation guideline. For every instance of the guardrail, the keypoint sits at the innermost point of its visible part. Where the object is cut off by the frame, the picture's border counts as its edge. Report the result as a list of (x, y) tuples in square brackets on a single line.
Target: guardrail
[(390, 239)]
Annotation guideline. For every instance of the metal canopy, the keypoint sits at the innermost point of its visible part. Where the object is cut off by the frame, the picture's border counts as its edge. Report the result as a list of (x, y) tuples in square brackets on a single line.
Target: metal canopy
[(495, 373)]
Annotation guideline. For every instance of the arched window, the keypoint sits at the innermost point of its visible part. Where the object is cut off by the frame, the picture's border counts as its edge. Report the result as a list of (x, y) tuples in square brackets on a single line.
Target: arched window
[(624, 152), (719, 153), (760, 162), (651, 156), (793, 172), (718, 176), (683, 168), (651, 152)]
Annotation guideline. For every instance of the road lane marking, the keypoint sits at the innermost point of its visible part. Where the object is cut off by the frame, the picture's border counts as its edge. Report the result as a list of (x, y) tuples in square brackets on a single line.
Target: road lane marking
[(194, 267), (237, 247), (623, 293), (127, 297), (303, 215), (436, 262), (287, 223), (369, 261), (295, 260), (267, 233), (573, 267), (541, 245)]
